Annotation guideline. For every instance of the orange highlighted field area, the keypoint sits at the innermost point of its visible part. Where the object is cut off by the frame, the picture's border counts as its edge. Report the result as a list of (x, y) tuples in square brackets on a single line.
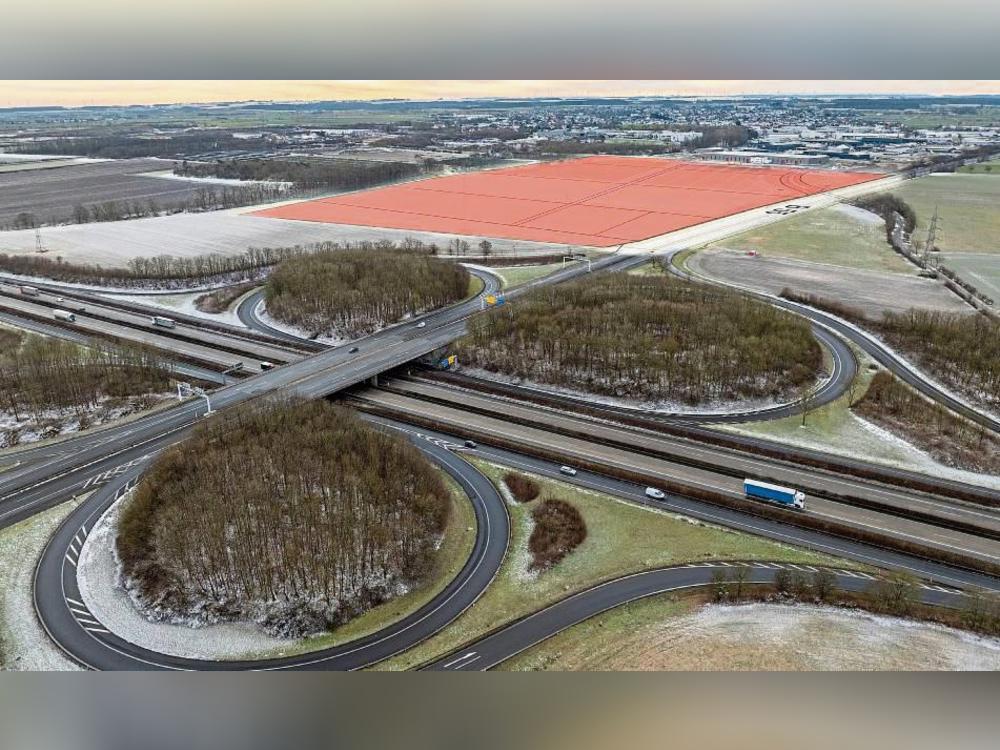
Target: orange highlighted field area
[(598, 201)]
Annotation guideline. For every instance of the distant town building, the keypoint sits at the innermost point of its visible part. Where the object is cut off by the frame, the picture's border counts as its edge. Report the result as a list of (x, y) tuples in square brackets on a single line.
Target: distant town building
[(763, 157)]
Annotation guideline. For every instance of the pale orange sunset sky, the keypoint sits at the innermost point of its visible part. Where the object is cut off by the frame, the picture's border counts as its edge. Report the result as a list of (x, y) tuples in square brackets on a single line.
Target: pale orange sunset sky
[(79, 93)]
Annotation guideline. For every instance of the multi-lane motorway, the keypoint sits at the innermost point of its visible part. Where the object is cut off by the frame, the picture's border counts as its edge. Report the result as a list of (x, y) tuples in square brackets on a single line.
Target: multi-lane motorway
[(75, 628), (111, 458)]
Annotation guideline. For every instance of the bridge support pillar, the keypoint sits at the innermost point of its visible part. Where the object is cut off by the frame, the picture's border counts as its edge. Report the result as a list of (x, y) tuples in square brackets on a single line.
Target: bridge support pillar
[(373, 381)]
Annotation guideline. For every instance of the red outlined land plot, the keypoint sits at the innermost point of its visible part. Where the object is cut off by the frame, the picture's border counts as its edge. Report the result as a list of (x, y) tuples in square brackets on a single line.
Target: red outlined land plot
[(598, 201)]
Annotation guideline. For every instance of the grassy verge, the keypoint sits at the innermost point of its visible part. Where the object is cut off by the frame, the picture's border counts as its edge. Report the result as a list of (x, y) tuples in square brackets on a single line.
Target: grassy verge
[(24, 644), (648, 269), (455, 549), (947, 437), (835, 427), (221, 300), (476, 285), (605, 637), (516, 275), (624, 538)]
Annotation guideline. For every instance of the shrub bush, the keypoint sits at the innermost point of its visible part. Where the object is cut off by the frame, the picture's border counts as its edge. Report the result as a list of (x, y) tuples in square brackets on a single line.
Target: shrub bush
[(559, 529)]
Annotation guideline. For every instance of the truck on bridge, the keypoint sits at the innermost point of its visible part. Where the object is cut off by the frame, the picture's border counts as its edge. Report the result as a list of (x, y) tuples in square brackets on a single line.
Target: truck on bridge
[(65, 315), (162, 322), (774, 493)]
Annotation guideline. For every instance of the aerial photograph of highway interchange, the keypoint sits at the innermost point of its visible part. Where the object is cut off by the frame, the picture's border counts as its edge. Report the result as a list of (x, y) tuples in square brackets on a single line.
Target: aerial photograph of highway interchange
[(571, 383)]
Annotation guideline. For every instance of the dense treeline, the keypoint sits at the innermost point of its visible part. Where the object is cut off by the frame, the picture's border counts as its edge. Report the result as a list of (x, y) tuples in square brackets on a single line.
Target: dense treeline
[(885, 205), (134, 147), (728, 136), (932, 428), (172, 271), (962, 351), (39, 376), (349, 293), (618, 148), (306, 174), (649, 337), (209, 198), (296, 516)]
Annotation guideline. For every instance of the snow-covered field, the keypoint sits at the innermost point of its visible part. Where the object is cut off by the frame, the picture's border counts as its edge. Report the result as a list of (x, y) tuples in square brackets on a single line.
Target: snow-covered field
[(859, 214), (98, 575), (794, 637), (228, 232), (24, 644), (169, 175), (771, 636)]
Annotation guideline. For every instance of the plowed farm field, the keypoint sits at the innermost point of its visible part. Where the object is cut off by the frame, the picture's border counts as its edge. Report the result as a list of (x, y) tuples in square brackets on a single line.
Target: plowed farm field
[(597, 201)]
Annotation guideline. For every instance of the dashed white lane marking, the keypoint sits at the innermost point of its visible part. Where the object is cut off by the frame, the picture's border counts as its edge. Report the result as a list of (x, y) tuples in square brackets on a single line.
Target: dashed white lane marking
[(454, 662)]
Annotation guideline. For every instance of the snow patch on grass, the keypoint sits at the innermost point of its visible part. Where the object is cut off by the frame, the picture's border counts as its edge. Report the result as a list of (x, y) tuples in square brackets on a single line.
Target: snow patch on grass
[(180, 303), (774, 636), (99, 576), (24, 644), (661, 406), (52, 423)]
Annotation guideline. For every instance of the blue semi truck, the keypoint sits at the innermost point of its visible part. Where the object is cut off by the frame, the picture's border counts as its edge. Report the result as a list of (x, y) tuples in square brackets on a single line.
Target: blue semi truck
[(774, 493)]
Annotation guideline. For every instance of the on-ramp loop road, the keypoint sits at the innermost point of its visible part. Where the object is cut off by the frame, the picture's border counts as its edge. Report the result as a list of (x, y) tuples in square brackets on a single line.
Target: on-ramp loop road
[(75, 628), (78, 632), (533, 629)]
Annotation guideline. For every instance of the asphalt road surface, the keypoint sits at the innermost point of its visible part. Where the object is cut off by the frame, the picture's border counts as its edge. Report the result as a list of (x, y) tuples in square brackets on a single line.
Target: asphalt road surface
[(74, 628), (529, 631), (620, 449), (77, 631), (66, 334)]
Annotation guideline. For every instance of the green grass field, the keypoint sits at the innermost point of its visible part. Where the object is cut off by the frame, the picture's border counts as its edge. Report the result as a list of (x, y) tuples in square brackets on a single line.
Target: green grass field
[(968, 206), (982, 270), (991, 167), (827, 235), (517, 275), (622, 538)]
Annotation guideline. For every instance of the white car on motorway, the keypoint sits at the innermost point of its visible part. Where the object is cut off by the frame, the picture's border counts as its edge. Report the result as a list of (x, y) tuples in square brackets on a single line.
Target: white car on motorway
[(654, 493), (422, 324), (567, 470)]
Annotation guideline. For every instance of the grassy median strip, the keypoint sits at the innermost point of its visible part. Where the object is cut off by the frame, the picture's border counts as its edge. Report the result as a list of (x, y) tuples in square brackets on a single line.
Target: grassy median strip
[(623, 538)]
